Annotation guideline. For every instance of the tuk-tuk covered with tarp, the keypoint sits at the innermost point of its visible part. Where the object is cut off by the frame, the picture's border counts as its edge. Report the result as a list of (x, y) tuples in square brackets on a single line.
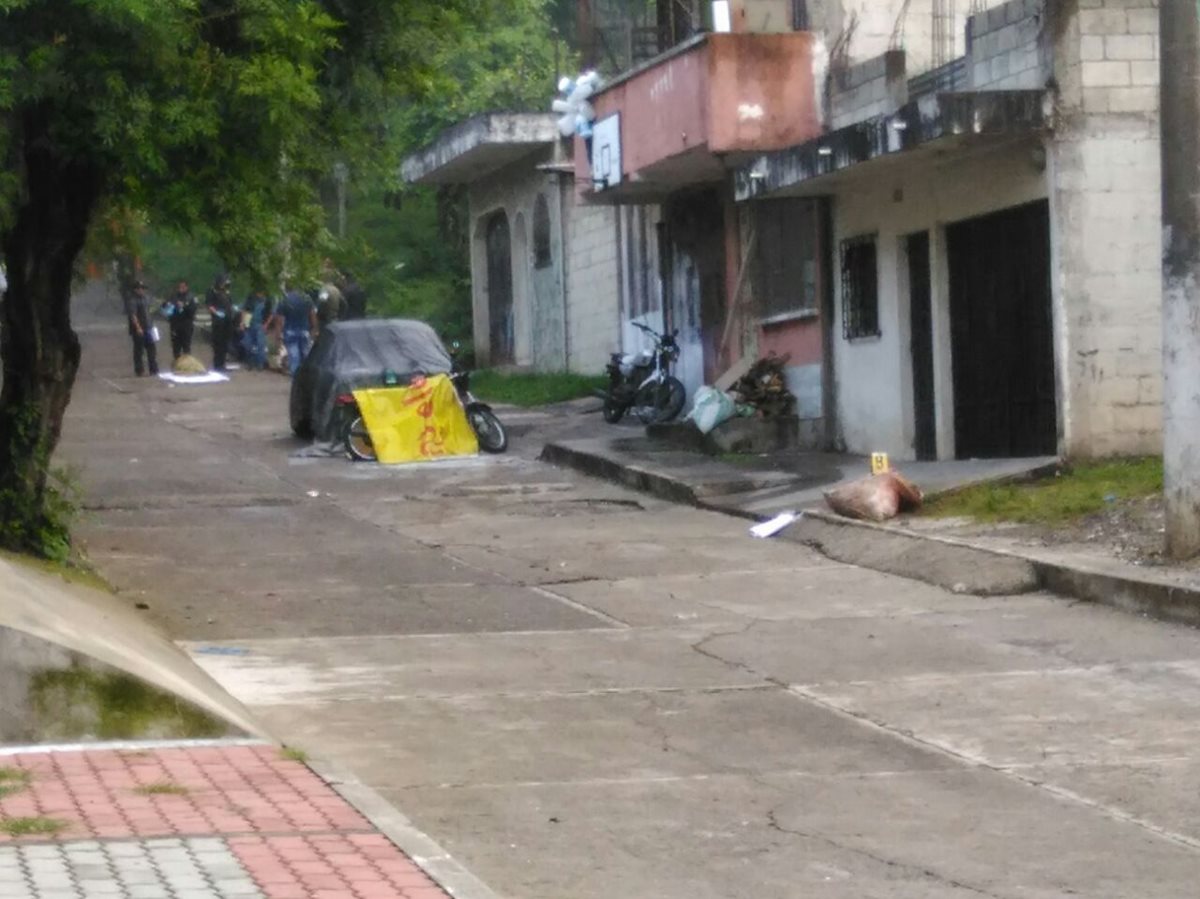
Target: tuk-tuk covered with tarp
[(352, 355)]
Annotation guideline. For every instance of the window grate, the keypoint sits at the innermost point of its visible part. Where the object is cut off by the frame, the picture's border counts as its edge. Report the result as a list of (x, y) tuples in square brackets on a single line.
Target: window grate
[(860, 287)]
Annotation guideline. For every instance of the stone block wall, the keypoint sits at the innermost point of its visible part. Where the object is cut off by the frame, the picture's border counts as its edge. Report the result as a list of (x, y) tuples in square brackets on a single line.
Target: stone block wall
[(870, 88), (593, 286), (1106, 210), (1006, 47)]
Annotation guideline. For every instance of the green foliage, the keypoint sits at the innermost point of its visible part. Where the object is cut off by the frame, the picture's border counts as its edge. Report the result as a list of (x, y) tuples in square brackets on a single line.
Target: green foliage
[(1078, 491), (532, 389), (292, 754), (406, 255), (511, 64)]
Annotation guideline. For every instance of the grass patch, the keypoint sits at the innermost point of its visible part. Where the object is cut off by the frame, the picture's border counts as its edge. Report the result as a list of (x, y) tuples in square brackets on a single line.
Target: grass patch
[(162, 789), (27, 827), (292, 754), (533, 388), (78, 702), (12, 780), (73, 570), (1078, 491)]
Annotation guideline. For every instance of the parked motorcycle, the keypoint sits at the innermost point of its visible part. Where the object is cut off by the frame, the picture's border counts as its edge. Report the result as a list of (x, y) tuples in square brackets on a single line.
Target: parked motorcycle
[(489, 430), (643, 382)]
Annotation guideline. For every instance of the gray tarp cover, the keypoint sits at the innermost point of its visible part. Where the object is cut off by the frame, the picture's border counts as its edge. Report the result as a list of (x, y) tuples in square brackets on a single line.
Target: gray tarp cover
[(354, 354)]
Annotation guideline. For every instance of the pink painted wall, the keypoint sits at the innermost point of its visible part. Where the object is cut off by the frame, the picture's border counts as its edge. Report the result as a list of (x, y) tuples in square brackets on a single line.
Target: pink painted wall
[(763, 95), (799, 339), (730, 93)]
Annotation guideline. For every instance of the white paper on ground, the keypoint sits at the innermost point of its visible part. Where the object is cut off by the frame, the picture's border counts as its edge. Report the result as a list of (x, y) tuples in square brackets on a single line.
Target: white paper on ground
[(775, 525), (209, 377)]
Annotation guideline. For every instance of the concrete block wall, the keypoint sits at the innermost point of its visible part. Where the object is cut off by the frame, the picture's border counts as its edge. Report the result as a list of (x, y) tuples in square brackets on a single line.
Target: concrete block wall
[(593, 286), (1107, 226), (1007, 47), (873, 87)]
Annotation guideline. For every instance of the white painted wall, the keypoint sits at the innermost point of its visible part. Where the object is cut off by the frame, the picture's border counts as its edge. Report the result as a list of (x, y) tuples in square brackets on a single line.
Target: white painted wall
[(874, 375)]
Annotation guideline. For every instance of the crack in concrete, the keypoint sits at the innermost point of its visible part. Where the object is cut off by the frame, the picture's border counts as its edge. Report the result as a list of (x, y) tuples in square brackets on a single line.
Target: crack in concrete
[(1009, 773), (894, 864)]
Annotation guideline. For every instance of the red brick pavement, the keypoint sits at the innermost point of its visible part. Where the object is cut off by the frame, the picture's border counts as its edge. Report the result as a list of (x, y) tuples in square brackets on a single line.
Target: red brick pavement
[(296, 837)]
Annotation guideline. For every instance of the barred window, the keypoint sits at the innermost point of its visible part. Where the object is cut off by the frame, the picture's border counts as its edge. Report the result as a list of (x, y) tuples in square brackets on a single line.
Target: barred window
[(860, 288)]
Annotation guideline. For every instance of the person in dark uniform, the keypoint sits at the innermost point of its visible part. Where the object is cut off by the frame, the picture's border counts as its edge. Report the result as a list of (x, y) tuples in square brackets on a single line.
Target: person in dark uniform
[(137, 310), (222, 309), (356, 297), (180, 311)]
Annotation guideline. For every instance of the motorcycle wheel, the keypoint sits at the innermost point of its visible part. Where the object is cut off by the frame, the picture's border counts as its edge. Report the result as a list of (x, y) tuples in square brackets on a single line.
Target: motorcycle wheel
[(613, 411), (358, 441), (488, 429), (662, 402)]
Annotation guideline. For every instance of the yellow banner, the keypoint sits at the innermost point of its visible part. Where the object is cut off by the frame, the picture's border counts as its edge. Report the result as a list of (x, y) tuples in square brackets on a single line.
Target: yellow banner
[(417, 423)]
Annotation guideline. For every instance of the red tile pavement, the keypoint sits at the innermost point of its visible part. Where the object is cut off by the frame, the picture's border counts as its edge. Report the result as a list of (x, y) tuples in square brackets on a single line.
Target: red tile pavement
[(294, 834), (228, 789)]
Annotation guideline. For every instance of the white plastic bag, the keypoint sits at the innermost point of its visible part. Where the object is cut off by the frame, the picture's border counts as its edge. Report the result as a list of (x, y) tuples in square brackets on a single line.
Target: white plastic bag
[(710, 408)]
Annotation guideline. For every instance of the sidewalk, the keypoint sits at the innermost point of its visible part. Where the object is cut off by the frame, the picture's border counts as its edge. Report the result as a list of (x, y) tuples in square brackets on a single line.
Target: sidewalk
[(758, 489), (190, 821)]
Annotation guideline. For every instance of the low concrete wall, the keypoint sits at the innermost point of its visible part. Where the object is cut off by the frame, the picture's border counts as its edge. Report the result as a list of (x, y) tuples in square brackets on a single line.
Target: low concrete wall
[(64, 648)]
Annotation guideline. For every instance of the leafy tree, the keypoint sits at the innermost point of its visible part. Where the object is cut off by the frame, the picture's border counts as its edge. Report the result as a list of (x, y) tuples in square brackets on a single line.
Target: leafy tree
[(216, 116)]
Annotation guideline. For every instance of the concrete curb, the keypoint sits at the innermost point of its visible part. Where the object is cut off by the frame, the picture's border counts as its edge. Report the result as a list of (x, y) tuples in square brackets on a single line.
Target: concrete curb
[(431, 858), (955, 566), (947, 562), (988, 571), (654, 481)]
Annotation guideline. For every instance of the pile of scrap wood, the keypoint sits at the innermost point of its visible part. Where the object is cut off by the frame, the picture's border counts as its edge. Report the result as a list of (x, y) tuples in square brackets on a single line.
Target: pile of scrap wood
[(764, 388)]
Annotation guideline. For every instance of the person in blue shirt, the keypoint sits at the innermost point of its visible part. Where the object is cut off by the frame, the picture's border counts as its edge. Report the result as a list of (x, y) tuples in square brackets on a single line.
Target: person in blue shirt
[(297, 317)]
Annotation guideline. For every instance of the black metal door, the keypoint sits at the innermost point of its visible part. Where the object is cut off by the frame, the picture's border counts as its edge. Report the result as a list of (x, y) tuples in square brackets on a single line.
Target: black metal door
[(500, 290), (921, 326), (1002, 334)]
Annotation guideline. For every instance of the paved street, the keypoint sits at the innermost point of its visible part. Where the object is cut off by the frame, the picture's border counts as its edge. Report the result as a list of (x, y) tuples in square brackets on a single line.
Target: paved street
[(581, 692)]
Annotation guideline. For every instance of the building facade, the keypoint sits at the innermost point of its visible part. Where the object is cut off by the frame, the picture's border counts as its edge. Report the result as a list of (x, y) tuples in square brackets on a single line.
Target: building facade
[(959, 246), (544, 268)]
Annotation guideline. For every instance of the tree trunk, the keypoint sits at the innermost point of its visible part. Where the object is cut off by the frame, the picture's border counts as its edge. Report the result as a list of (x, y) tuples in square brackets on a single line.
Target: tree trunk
[(39, 349)]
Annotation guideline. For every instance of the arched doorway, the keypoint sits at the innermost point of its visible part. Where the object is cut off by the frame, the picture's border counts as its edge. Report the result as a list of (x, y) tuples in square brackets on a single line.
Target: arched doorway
[(500, 290)]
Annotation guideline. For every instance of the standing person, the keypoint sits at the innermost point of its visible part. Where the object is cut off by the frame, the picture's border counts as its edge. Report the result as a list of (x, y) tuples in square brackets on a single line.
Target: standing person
[(222, 310), (298, 319), (356, 297), (256, 312), (331, 305), (137, 311), (180, 311)]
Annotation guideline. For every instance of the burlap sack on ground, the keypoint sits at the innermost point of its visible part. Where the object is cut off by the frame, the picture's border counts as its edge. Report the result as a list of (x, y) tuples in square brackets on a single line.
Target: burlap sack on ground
[(875, 498), (188, 365)]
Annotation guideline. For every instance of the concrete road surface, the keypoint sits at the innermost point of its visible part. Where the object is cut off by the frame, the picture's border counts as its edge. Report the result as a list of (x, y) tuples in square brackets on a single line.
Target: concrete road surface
[(586, 694)]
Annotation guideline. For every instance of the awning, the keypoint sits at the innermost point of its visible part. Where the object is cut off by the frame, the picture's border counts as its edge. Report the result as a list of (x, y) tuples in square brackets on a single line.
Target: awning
[(934, 121)]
